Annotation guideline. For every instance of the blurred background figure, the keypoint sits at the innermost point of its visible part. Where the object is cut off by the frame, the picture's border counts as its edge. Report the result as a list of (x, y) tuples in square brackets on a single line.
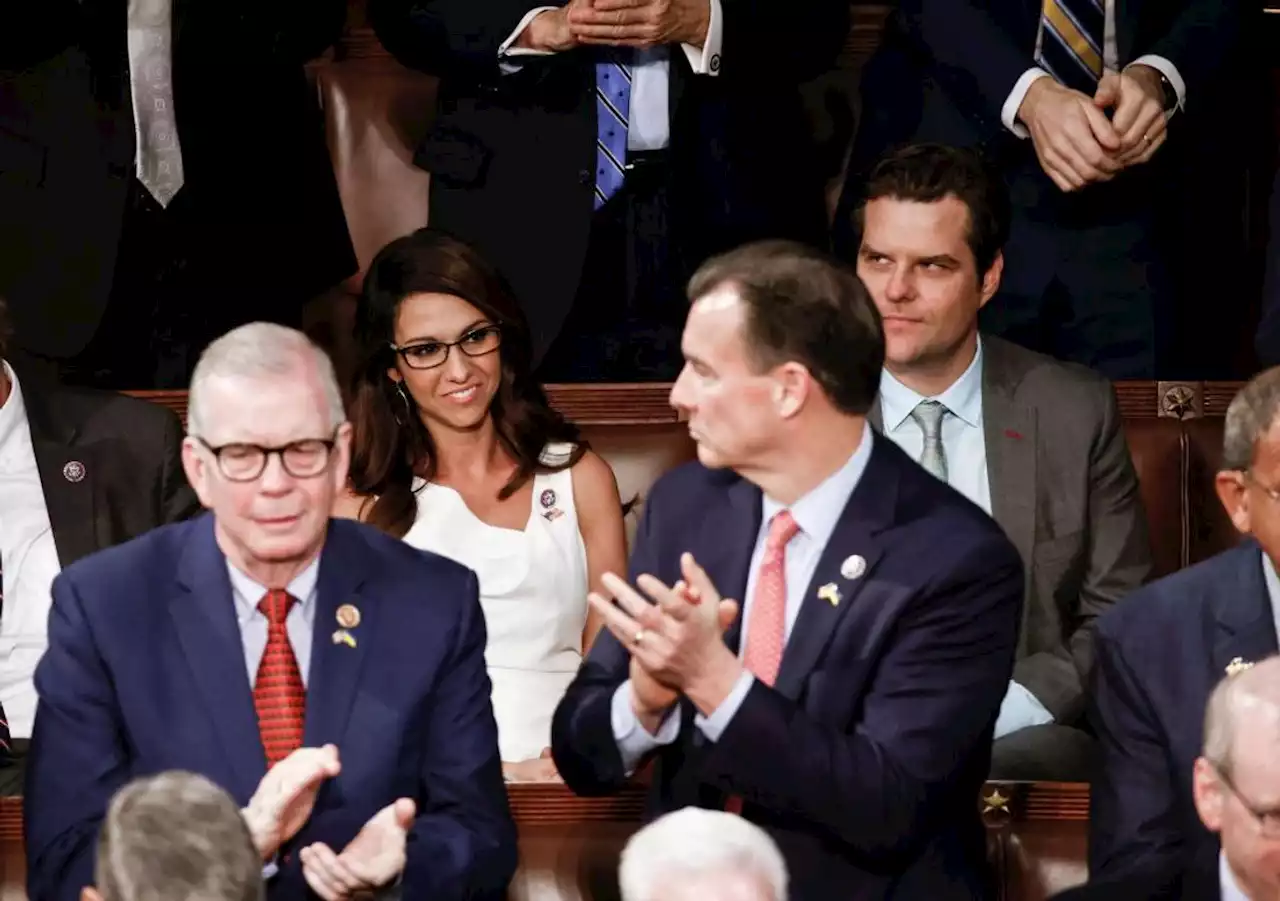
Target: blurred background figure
[(702, 855)]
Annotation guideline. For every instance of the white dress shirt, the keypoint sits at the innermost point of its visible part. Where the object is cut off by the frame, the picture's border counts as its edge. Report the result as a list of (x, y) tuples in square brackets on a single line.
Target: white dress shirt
[(30, 562), (816, 514), (965, 446), (1231, 890), (649, 119), (1110, 61)]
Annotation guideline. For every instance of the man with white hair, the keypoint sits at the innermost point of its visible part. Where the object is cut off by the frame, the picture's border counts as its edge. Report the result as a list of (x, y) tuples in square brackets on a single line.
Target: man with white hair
[(264, 640), (1236, 788), (694, 854)]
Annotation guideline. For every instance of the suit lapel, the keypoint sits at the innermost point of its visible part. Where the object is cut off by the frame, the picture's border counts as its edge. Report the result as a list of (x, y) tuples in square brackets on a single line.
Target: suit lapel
[(67, 474), (1009, 434), (1244, 626), (868, 511), (730, 537), (335, 666), (204, 615)]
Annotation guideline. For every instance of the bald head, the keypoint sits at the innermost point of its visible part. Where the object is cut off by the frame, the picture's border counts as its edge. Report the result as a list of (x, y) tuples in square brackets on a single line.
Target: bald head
[(1250, 698)]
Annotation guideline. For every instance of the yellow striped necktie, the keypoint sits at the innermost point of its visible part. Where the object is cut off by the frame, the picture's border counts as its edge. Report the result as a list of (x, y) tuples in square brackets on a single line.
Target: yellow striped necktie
[(1070, 46)]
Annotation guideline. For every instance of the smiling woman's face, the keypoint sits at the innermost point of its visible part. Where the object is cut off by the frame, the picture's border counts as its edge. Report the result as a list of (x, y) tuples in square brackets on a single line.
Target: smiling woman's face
[(457, 392)]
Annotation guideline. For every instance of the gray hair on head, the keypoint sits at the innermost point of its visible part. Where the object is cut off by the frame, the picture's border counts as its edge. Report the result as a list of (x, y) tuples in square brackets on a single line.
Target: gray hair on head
[(1247, 699), (1251, 413), (696, 842), (261, 350), (176, 837)]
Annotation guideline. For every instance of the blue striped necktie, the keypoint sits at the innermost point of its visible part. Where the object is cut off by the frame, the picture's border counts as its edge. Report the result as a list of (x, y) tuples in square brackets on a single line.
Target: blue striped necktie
[(613, 105), (1071, 36)]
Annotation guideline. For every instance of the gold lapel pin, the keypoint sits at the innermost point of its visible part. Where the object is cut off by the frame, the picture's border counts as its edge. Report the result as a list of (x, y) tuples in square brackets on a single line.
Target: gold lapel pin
[(830, 593), (1237, 666), (342, 636), (348, 616)]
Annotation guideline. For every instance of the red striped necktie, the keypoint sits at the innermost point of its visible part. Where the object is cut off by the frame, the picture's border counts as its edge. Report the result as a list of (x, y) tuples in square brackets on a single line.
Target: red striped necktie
[(278, 693)]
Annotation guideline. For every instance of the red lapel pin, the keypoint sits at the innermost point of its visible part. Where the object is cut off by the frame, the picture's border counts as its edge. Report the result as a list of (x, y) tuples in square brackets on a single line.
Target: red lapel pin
[(1010, 433)]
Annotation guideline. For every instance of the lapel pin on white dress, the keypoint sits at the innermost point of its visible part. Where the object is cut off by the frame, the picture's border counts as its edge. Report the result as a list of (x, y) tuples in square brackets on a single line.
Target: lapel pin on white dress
[(853, 566)]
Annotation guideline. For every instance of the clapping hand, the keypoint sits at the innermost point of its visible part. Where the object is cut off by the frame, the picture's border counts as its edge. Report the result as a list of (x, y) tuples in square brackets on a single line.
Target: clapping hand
[(1138, 116), (372, 860), (286, 796), (675, 636)]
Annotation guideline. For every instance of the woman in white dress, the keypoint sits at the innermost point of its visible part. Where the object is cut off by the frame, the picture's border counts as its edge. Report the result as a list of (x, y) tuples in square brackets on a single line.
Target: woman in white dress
[(457, 451)]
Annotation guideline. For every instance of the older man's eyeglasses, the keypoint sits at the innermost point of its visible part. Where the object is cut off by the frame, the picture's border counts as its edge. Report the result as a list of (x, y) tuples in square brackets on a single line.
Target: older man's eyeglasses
[(1268, 820), (1273, 493), (430, 354), (241, 462)]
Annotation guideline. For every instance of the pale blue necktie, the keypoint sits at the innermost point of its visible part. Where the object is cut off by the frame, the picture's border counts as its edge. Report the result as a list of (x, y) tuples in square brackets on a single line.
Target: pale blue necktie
[(613, 106), (928, 415)]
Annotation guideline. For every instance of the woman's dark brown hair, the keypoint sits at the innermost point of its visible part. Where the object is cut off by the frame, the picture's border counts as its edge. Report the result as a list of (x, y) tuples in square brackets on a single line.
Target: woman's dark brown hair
[(391, 445)]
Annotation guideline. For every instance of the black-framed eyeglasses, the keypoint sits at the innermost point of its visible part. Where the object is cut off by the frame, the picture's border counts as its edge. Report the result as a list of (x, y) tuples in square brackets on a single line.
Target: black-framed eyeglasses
[(1268, 820), (430, 354), (242, 462)]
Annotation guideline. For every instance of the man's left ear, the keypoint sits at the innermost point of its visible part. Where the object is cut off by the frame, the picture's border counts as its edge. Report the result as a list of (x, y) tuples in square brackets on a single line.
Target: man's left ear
[(991, 278), (790, 388)]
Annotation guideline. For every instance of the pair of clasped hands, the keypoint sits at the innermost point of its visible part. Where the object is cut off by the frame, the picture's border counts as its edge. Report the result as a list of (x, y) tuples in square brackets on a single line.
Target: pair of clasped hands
[(1075, 141), (618, 23), (283, 804), (676, 639)]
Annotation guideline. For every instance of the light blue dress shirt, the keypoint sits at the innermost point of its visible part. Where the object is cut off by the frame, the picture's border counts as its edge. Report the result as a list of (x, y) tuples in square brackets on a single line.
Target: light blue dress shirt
[(966, 448), (253, 624), (816, 514), (1272, 581), (649, 123)]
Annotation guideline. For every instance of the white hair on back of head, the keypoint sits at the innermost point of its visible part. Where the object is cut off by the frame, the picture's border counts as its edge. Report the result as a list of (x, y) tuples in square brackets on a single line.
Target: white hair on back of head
[(261, 350), (694, 841)]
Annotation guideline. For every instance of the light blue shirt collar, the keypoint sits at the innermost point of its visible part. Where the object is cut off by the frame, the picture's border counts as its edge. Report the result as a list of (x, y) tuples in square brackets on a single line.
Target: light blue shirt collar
[(1272, 581), (819, 510), (963, 397), (248, 593)]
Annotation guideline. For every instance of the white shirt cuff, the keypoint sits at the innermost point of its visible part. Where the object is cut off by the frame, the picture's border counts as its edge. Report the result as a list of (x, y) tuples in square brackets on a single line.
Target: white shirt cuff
[(705, 60), (506, 51), (1020, 710), (1169, 71), (713, 726), (634, 741), (1009, 112)]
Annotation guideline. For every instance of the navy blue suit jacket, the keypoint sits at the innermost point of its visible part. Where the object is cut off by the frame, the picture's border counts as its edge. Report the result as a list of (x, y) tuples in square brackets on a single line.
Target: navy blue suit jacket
[(1160, 652), (146, 672), (865, 759)]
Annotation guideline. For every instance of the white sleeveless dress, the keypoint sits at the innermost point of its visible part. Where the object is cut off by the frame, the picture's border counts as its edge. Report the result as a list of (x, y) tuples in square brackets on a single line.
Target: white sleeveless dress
[(533, 588)]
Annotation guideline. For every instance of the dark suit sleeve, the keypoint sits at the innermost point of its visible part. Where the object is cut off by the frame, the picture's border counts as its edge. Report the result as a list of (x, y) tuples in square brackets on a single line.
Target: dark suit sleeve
[(77, 760), (1199, 41), (782, 39), (297, 30), (1134, 821), (1119, 562), (178, 500), (978, 60), (582, 740), (463, 844), (449, 37), (930, 706)]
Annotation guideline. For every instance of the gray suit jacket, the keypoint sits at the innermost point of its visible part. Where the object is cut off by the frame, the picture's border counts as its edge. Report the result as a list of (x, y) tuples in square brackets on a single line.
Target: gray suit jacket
[(1064, 490)]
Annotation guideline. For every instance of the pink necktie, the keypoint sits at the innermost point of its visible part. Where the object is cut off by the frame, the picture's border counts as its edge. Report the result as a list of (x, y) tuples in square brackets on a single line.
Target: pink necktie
[(767, 625)]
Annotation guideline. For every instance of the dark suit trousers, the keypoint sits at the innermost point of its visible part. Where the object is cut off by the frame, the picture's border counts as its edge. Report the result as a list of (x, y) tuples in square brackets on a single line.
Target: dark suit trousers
[(13, 775), (1090, 293), (1050, 753), (626, 320)]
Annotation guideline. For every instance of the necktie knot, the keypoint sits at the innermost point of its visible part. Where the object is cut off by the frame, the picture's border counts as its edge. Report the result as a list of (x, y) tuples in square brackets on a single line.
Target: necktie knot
[(782, 528), (275, 606), (928, 415)]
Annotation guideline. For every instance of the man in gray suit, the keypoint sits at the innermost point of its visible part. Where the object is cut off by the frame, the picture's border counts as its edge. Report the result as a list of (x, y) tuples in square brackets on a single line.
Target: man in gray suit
[(1036, 443)]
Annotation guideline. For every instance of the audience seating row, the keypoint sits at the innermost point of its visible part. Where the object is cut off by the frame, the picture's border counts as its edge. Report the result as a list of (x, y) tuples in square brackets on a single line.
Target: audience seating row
[(1037, 831)]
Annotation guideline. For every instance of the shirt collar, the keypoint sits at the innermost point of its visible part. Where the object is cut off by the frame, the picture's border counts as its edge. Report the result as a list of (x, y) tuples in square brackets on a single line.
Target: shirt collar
[(818, 511), (1231, 890), (963, 397), (248, 593), (1272, 580), (14, 412)]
